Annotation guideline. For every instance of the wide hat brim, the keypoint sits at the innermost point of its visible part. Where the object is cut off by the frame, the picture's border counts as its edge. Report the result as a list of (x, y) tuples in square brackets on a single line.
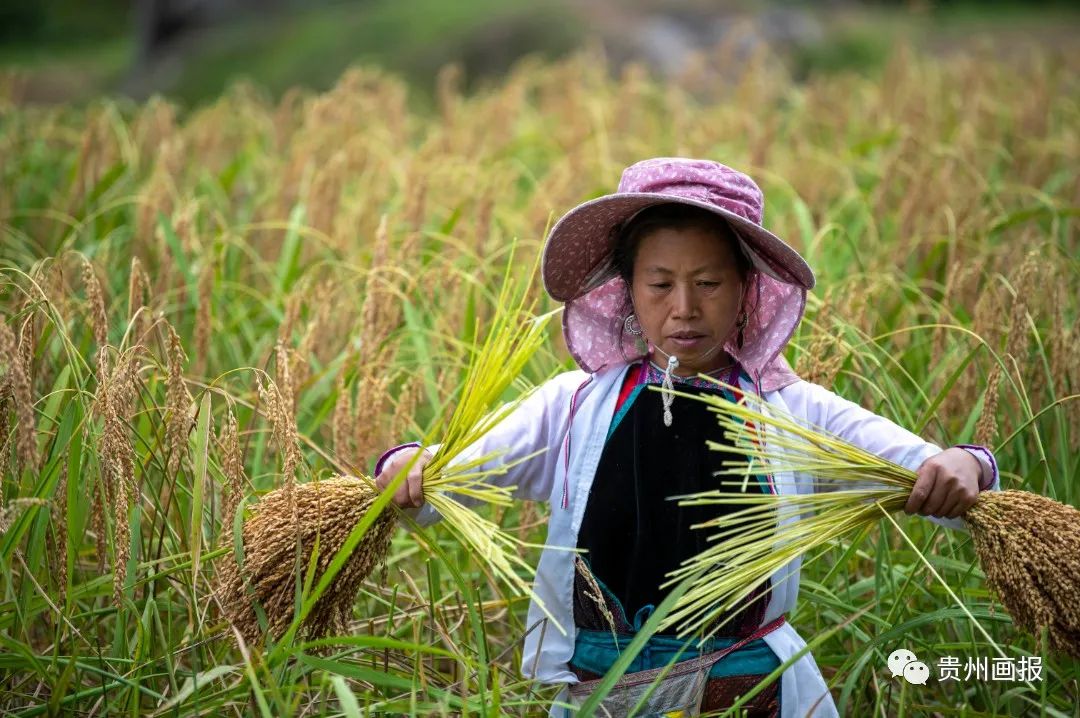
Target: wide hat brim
[(578, 250)]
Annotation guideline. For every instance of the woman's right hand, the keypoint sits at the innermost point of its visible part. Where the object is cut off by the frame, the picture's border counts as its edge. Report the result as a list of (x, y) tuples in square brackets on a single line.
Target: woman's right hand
[(410, 493)]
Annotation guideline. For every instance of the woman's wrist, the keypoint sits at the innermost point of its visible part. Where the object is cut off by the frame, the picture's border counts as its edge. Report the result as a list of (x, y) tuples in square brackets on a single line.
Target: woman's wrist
[(390, 452), (985, 457)]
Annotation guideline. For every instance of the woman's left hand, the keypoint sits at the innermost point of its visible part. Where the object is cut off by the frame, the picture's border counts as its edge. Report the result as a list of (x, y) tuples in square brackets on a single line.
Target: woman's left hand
[(947, 486)]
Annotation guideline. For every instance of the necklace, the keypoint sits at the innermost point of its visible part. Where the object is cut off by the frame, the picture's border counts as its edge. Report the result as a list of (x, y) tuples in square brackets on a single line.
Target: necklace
[(713, 373)]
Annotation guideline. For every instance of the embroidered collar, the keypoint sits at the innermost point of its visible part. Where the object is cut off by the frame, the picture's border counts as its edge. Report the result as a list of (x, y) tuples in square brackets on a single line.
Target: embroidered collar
[(652, 374)]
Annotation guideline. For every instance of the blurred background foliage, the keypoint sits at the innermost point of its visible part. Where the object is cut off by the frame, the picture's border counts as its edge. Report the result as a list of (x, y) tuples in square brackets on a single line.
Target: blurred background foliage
[(189, 50)]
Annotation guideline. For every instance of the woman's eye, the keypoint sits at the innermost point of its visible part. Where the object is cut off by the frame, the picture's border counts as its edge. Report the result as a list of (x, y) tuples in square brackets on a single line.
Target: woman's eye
[(705, 283), (660, 285)]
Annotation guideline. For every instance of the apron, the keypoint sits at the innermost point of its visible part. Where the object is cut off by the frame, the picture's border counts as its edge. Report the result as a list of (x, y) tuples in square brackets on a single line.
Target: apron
[(632, 536)]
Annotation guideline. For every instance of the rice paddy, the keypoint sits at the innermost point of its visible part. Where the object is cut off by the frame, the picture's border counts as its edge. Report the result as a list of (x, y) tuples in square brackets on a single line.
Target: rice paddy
[(199, 307)]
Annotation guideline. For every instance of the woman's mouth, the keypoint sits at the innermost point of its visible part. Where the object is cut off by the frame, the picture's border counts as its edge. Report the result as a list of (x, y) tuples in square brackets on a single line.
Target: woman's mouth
[(686, 340)]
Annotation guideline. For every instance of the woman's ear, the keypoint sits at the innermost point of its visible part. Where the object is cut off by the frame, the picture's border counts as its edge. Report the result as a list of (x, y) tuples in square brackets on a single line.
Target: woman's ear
[(745, 291)]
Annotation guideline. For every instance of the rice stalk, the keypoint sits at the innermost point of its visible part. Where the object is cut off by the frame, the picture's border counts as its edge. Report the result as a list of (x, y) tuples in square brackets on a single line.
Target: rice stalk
[(371, 396), (284, 433), (403, 419), (117, 464), (284, 378), (379, 311), (204, 314), (500, 359), (178, 402), (232, 466), (1028, 545), (16, 384), (98, 320), (288, 436), (986, 426), (60, 509), (138, 286), (28, 338), (301, 356), (342, 426), (5, 434), (596, 595)]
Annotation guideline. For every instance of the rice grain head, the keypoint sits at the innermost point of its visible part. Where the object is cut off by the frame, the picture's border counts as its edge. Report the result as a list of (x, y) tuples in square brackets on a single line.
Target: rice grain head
[(14, 509), (327, 511), (138, 286), (178, 402), (22, 389), (341, 425), (1073, 407), (1029, 548), (594, 594), (15, 385), (380, 309), (284, 432), (232, 466), (99, 322), (283, 377), (403, 421), (986, 426), (122, 538), (5, 444), (117, 463), (371, 399)]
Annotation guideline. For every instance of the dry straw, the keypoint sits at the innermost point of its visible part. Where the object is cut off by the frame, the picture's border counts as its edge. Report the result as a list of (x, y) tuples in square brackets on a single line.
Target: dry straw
[(324, 516), (1027, 545)]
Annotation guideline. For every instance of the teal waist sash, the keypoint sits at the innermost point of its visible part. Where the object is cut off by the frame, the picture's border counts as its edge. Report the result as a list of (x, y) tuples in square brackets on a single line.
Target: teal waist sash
[(597, 651)]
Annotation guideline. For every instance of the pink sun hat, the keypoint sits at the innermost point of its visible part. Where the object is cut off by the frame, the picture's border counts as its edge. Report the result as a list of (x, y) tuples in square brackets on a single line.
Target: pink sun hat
[(577, 265)]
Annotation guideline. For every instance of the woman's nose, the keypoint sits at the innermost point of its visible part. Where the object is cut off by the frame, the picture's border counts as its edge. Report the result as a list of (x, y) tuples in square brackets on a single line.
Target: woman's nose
[(685, 302)]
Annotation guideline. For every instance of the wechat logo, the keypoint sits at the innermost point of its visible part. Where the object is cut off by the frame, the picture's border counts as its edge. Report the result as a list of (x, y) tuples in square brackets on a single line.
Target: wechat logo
[(903, 662)]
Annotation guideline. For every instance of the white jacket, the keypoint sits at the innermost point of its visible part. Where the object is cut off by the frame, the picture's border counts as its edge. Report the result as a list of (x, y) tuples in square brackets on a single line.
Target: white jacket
[(564, 473)]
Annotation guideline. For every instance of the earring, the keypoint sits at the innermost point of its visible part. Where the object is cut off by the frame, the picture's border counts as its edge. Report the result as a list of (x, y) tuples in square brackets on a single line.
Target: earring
[(628, 325), (741, 324)]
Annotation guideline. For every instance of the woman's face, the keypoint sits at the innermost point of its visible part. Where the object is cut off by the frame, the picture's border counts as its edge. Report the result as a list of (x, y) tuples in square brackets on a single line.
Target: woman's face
[(687, 293)]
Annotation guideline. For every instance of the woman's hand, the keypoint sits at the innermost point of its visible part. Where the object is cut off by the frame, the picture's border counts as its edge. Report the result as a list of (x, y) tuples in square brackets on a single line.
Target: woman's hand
[(410, 493), (947, 486)]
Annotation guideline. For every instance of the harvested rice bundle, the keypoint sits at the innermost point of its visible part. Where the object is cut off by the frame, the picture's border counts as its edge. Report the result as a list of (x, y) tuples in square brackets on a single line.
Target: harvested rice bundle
[(1029, 548), (1028, 545), (330, 511)]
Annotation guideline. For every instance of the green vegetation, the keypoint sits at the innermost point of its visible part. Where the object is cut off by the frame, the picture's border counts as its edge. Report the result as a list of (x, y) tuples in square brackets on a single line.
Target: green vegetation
[(157, 267)]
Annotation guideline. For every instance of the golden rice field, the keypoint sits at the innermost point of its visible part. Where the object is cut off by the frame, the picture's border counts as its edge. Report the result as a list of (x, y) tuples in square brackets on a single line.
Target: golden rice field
[(200, 306)]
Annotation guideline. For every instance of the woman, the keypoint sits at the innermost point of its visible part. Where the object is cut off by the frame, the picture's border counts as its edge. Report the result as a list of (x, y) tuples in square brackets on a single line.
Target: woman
[(670, 277)]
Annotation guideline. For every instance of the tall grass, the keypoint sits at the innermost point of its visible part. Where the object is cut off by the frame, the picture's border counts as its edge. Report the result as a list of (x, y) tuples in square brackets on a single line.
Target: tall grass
[(203, 304)]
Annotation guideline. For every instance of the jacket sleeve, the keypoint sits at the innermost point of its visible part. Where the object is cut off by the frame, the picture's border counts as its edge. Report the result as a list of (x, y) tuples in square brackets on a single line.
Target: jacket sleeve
[(876, 434), (538, 424)]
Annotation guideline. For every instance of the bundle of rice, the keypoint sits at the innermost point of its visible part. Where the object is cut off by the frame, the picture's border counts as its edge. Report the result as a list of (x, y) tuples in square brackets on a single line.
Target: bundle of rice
[(1029, 549), (1028, 545), (328, 511), (331, 513)]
